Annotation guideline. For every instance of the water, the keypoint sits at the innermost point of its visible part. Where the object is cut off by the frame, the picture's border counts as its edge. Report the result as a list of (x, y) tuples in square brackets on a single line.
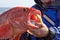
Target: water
[(3, 9)]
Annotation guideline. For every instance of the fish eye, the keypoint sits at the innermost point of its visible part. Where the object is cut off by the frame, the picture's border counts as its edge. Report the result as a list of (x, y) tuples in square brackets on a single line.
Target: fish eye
[(24, 9)]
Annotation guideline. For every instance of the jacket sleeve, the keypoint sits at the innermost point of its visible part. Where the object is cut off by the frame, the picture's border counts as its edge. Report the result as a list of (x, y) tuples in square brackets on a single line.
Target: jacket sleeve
[(50, 35)]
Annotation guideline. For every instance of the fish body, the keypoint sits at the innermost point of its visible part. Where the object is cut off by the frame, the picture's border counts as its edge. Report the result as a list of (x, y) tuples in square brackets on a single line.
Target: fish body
[(14, 22)]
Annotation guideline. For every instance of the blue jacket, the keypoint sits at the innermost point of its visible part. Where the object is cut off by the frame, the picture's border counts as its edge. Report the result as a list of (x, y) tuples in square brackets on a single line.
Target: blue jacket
[(53, 13)]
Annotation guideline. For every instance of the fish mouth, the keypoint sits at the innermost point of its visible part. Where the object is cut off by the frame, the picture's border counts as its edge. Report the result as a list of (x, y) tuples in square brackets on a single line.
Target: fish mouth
[(33, 23)]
